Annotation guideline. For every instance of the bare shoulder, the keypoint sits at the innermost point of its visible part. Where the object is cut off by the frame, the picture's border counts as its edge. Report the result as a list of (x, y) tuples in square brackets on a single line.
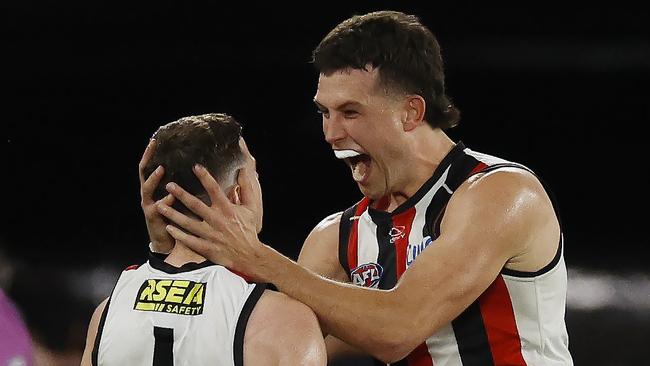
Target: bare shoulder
[(506, 188), (320, 249), (512, 178), (285, 308), (511, 206), (92, 333), (282, 330), (326, 228)]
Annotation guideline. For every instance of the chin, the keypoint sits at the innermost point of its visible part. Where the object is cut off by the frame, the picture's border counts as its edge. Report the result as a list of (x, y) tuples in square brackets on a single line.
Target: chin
[(372, 194)]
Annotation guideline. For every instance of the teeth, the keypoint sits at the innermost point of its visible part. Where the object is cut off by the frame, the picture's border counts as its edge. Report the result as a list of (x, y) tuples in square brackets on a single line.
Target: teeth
[(344, 154)]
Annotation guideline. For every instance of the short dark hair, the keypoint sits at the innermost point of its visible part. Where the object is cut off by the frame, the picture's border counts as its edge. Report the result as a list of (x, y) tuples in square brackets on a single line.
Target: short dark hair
[(211, 140), (405, 52)]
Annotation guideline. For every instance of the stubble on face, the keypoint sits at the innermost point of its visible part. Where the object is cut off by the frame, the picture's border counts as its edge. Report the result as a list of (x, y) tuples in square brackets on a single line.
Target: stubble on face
[(377, 131)]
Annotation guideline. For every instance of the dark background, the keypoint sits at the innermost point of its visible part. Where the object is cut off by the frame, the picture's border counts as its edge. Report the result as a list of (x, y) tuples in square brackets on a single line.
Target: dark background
[(561, 89)]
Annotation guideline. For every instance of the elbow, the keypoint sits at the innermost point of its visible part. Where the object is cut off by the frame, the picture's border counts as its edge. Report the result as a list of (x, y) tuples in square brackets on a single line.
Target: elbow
[(395, 344), (401, 332), (391, 351)]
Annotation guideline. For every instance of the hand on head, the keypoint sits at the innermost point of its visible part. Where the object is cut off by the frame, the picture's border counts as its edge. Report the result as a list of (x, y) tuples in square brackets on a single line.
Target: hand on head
[(161, 241), (227, 234)]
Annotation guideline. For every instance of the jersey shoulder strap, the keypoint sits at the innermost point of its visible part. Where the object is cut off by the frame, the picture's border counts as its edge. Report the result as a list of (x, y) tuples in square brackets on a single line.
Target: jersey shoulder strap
[(345, 227)]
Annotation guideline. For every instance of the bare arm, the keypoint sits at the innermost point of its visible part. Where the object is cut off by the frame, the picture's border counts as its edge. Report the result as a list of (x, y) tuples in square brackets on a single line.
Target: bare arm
[(488, 222), (86, 359), (283, 331), (320, 253)]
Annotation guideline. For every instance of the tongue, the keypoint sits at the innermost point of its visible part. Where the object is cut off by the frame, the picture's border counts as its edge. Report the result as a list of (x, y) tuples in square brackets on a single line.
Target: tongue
[(359, 170)]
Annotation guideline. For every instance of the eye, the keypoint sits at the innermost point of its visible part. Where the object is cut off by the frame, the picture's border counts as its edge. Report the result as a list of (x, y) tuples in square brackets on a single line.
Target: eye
[(325, 114), (350, 114)]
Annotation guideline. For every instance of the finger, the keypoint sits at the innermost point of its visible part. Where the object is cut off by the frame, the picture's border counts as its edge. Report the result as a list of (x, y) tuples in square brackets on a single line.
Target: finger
[(194, 204), (148, 151), (149, 186), (249, 196), (217, 197), (199, 245), (200, 228), (167, 200)]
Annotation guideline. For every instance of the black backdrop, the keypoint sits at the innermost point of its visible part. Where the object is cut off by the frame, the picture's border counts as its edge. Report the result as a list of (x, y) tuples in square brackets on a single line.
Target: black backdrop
[(560, 89)]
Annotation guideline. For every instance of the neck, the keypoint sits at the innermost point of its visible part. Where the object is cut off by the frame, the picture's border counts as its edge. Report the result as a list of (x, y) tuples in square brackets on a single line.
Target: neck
[(427, 149), (181, 255)]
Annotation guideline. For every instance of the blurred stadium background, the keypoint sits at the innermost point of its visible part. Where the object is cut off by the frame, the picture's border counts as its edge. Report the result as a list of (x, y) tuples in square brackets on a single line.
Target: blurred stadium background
[(561, 89)]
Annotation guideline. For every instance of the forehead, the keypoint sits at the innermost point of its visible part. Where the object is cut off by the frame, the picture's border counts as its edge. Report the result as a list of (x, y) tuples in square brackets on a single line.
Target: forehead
[(346, 85)]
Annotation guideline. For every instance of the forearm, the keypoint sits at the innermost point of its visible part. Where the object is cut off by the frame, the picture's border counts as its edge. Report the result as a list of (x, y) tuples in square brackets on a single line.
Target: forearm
[(372, 320)]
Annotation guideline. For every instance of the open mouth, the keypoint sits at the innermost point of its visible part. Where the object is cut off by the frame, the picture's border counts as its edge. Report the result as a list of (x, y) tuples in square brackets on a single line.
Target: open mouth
[(358, 162)]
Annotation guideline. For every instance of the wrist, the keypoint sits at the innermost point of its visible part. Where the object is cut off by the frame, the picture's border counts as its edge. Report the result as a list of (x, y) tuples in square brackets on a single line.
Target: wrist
[(273, 267)]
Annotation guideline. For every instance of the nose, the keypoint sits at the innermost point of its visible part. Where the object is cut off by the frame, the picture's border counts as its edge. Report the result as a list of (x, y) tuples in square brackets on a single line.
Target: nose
[(333, 130)]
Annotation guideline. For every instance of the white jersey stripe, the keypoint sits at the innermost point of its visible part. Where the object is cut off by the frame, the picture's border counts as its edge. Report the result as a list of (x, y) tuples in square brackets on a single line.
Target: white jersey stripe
[(368, 247), (535, 301), (442, 350)]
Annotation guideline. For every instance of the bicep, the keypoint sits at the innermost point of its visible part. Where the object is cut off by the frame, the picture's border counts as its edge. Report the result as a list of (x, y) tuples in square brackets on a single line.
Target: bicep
[(282, 330), (86, 359), (482, 228)]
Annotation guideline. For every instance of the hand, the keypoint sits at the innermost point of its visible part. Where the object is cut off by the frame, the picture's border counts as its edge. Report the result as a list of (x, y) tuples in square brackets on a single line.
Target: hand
[(161, 241), (228, 233)]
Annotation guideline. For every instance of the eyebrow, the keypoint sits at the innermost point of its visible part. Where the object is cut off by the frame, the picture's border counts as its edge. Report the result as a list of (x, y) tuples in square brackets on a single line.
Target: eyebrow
[(342, 106)]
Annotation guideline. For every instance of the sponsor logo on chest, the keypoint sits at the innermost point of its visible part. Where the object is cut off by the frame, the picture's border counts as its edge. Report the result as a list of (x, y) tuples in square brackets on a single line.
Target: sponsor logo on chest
[(396, 233), (414, 250)]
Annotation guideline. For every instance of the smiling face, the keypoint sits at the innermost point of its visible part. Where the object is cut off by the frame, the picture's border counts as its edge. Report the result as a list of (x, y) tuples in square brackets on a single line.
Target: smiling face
[(364, 124)]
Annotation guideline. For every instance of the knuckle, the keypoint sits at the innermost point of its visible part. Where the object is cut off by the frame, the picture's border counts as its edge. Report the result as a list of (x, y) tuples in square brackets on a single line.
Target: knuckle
[(193, 204)]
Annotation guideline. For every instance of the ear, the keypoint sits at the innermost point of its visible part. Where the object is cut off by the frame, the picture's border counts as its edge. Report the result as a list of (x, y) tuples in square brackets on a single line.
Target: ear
[(415, 108), (234, 194)]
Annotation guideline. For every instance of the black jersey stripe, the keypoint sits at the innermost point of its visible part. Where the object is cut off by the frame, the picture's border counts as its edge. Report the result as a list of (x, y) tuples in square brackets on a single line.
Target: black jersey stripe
[(242, 322), (386, 256), (433, 213), (163, 349), (473, 344), (402, 362), (98, 336), (100, 328), (458, 173), (344, 238)]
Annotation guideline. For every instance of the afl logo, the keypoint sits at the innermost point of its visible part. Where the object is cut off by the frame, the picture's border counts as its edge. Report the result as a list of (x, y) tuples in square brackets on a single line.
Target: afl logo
[(367, 275)]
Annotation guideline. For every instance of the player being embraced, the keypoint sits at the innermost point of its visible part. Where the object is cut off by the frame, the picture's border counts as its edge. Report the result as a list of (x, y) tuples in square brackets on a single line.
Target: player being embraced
[(180, 309)]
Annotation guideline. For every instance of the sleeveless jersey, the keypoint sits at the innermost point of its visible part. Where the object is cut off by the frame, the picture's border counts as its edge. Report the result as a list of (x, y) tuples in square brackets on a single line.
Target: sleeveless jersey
[(161, 315), (518, 320)]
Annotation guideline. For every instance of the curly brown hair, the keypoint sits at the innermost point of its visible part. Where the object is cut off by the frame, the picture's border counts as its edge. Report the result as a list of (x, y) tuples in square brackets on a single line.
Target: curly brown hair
[(405, 52)]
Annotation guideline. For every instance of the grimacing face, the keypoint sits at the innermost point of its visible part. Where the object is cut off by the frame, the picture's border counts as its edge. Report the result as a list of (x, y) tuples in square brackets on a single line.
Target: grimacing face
[(364, 125)]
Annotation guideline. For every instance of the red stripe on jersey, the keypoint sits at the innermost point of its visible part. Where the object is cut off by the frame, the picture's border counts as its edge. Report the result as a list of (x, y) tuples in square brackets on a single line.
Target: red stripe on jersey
[(420, 356), (404, 219), (135, 266), (500, 325), (353, 247), (242, 275), (480, 166)]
